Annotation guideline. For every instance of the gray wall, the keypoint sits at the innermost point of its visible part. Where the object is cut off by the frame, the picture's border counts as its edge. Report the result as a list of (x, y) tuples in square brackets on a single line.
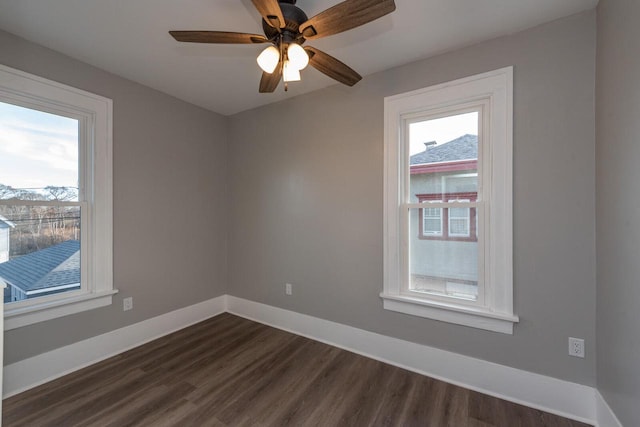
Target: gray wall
[(306, 200), (618, 207), (170, 179)]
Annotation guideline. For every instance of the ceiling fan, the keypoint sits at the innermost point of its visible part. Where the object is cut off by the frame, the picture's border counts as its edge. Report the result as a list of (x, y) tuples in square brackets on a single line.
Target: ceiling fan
[(287, 27)]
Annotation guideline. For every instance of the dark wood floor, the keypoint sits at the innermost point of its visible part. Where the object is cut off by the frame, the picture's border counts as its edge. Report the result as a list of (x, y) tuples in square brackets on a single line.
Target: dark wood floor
[(228, 371)]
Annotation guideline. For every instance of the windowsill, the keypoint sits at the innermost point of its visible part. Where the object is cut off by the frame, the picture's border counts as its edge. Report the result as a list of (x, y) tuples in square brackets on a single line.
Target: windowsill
[(448, 238), (39, 312), (450, 312)]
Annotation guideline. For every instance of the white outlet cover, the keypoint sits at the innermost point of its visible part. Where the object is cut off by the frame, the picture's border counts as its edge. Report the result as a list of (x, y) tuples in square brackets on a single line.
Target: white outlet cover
[(576, 347)]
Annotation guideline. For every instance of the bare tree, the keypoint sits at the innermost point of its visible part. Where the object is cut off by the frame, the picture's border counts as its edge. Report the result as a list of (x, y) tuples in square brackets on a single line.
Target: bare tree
[(38, 226), (61, 194)]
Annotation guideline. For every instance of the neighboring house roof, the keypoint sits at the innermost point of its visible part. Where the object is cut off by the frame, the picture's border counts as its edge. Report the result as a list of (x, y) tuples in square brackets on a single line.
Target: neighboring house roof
[(462, 148), (5, 223), (57, 265)]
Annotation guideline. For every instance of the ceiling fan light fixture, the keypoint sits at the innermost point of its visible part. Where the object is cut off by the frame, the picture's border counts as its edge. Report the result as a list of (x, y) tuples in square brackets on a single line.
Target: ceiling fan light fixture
[(290, 73), (268, 59), (298, 58)]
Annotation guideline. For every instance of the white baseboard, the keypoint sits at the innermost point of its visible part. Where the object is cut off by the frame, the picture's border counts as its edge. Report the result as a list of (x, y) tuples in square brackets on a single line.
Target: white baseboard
[(549, 394), (556, 396), (604, 415), (36, 370)]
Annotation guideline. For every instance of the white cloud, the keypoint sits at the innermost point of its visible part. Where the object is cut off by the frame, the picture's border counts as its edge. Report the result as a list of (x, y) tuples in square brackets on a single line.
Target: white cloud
[(37, 149)]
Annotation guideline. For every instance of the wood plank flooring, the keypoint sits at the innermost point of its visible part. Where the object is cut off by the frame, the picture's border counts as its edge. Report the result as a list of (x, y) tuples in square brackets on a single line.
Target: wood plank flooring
[(229, 371)]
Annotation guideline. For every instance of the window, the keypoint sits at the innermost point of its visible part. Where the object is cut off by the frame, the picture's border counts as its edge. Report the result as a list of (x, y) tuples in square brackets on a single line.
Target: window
[(431, 222), (448, 215), (55, 199), (460, 220), (459, 223)]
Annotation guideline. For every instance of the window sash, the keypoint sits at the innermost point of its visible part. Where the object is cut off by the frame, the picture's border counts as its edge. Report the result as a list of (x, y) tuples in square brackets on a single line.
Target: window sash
[(85, 191), (406, 233)]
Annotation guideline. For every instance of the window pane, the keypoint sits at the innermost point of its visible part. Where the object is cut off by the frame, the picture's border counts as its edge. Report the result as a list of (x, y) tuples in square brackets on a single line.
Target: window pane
[(443, 167), (41, 253), (432, 221), (443, 156), (38, 155), (443, 267), (459, 220), (459, 226)]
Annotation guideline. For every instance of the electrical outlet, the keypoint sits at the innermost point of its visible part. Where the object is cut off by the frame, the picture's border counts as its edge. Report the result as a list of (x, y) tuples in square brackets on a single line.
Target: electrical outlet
[(127, 304), (576, 347), (288, 288)]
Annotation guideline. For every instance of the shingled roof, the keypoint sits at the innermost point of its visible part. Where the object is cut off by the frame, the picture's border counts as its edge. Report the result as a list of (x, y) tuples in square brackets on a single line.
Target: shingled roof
[(5, 223), (54, 266), (461, 148)]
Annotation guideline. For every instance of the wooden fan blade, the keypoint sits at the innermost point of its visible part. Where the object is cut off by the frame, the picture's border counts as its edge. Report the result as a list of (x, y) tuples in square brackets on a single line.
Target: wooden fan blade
[(271, 12), (269, 82), (332, 67), (345, 16), (217, 37)]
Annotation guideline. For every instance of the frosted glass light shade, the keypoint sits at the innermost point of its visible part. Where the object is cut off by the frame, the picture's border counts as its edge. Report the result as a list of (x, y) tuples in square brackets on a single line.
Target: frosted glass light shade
[(268, 59), (290, 73), (297, 56)]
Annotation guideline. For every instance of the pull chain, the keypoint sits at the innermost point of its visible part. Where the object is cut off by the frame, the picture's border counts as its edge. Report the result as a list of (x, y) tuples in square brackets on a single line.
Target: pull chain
[(282, 59)]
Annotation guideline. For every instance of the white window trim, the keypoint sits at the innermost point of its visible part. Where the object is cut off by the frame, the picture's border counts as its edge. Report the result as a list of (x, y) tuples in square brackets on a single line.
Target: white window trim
[(96, 112), (494, 88)]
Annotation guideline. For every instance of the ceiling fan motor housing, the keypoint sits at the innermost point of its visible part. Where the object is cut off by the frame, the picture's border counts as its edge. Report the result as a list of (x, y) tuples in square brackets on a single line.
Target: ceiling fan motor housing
[(293, 17)]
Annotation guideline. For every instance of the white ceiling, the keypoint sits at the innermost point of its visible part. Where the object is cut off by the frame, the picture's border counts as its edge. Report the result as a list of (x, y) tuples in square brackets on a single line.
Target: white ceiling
[(130, 38)]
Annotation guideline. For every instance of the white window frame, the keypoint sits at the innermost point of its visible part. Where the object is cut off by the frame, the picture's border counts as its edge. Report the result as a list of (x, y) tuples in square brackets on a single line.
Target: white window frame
[(94, 113), (425, 217), (493, 92)]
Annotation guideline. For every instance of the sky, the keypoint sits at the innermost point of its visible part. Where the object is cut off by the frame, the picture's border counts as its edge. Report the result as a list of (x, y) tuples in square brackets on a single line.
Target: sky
[(37, 149), (441, 130)]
